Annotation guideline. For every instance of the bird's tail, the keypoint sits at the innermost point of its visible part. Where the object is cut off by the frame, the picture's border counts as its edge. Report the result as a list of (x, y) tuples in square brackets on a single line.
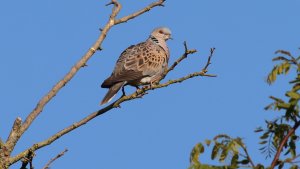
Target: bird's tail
[(112, 92)]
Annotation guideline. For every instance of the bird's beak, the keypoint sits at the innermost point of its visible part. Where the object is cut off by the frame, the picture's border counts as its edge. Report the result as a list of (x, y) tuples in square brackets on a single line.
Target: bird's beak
[(171, 38)]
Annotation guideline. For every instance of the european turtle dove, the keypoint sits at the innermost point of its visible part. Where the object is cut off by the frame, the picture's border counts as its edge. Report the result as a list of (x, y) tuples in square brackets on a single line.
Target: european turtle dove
[(140, 64)]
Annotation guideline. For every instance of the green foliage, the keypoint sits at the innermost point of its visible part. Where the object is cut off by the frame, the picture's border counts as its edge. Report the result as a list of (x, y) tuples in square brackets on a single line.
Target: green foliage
[(194, 157), (224, 149), (283, 67), (278, 138)]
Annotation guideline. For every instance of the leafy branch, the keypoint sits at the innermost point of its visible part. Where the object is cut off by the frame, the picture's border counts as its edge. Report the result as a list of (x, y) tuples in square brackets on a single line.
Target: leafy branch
[(278, 136)]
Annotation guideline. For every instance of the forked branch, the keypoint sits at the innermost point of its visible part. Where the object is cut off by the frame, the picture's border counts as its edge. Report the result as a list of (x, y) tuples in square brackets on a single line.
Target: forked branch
[(184, 56)]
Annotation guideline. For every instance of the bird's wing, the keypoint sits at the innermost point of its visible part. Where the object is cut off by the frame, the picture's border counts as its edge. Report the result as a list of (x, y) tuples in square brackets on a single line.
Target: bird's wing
[(136, 62), (147, 58)]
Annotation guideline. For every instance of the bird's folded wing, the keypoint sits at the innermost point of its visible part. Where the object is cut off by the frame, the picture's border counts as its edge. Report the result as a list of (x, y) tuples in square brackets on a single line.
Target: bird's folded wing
[(136, 62)]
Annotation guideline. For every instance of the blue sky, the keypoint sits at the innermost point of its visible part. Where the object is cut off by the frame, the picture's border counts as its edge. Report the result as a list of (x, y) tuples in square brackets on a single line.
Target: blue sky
[(41, 40)]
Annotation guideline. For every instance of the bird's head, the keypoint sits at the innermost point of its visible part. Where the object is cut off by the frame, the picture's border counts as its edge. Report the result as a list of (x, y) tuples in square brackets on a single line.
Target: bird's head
[(162, 33)]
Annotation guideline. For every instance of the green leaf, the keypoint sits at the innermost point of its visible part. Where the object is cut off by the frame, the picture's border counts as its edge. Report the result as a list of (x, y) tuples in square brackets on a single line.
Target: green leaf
[(245, 161), (287, 68), (197, 150), (259, 166), (296, 87), (294, 167), (292, 148), (259, 129), (283, 52), (282, 68), (279, 58), (224, 154), (263, 142), (283, 105), (293, 95), (215, 151), (265, 135), (272, 75), (234, 160)]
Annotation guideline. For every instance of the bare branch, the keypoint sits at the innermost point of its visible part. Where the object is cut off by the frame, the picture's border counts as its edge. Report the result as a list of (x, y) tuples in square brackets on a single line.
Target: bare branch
[(55, 158), (14, 135), (59, 134), (283, 142), (212, 50), (116, 9), (137, 94), (184, 56), (82, 62), (146, 9)]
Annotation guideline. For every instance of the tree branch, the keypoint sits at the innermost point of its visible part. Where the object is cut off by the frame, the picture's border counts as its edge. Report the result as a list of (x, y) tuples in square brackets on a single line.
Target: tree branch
[(81, 63), (47, 166), (137, 94), (283, 142), (146, 9), (14, 135), (212, 50), (184, 56)]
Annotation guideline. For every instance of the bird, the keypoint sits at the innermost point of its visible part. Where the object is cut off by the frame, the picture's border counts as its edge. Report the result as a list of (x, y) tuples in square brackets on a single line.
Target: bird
[(140, 64)]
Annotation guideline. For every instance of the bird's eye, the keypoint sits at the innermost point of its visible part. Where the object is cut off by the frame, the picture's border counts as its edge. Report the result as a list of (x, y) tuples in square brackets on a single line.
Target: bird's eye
[(160, 31)]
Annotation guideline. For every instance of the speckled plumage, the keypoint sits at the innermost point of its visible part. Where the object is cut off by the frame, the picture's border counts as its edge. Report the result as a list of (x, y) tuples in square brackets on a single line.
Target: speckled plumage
[(139, 64)]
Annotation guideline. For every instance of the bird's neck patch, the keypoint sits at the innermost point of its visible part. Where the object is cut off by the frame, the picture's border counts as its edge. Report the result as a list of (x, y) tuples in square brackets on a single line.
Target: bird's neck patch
[(154, 39)]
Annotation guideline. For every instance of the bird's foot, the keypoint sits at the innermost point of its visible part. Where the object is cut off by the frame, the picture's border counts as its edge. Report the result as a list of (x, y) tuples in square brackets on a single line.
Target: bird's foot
[(150, 86)]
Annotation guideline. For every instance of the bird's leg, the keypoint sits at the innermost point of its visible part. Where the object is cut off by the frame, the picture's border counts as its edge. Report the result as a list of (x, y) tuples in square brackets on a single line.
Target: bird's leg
[(140, 92), (123, 91)]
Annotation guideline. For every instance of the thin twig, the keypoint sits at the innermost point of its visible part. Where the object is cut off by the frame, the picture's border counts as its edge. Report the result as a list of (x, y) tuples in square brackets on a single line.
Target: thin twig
[(80, 64), (137, 94), (55, 158), (283, 142), (248, 156), (212, 50), (183, 56)]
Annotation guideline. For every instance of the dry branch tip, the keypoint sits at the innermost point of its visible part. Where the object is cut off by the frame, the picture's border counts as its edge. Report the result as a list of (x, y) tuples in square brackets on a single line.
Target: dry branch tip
[(212, 50), (47, 166), (113, 2)]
